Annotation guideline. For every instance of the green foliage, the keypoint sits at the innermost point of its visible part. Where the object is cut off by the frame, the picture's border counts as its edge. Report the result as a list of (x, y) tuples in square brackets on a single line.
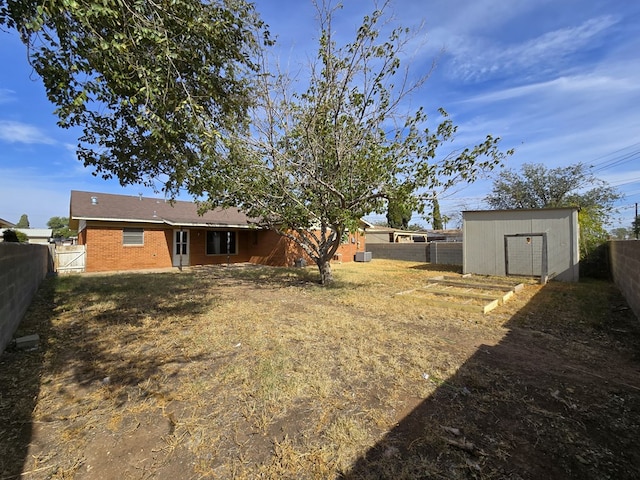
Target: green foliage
[(23, 222), (436, 217), (153, 85), (572, 186), (318, 160), (398, 214), (60, 227), (14, 236), (635, 227), (621, 233)]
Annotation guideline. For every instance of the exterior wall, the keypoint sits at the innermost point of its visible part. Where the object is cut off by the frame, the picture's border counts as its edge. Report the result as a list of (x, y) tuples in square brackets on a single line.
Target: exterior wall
[(276, 250), (484, 231), (22, 268), (105, 251), (379, 237), (625, 268)]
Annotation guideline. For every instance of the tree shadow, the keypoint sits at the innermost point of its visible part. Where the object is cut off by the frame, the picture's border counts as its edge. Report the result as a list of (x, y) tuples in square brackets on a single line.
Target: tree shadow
[(20, 373), (70, 314), (435, 267), (557, 397)]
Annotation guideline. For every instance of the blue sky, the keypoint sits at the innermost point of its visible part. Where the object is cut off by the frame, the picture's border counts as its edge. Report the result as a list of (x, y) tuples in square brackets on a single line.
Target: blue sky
[(558, 80)]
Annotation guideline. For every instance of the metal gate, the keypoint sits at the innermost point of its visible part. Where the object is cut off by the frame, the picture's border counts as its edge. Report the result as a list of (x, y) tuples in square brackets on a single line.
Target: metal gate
[(70, 258), (525, 254)]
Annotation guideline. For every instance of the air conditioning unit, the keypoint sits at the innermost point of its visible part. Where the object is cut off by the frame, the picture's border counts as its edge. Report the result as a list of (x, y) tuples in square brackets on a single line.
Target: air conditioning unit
[(363, 256)]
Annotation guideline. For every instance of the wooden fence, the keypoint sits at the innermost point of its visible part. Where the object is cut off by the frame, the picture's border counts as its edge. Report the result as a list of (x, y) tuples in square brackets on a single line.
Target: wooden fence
[(70, 258)]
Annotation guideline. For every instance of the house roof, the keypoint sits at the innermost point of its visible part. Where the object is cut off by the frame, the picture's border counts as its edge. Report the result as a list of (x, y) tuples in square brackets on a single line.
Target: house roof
[(128, 208), (36, 232), (5, 224)]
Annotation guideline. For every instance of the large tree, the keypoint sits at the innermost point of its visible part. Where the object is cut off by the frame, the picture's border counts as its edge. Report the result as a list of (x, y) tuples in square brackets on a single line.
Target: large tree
[(23, 222), (60, 227), (154, 86), (341, 147), (436, 216), (537, 186), (398, 213)]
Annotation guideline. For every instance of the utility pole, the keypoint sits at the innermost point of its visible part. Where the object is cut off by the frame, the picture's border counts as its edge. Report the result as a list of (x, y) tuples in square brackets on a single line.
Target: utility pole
[(636, 222)]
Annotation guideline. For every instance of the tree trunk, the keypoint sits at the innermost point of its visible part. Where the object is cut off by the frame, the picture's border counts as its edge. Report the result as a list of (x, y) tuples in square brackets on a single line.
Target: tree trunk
[(326, 277)]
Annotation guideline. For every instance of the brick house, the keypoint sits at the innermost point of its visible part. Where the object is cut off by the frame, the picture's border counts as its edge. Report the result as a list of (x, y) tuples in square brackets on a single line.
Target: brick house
[(122, 232)]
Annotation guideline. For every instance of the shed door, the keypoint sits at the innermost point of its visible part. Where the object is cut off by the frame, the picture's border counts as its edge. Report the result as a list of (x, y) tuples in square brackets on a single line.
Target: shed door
[(525, 255)]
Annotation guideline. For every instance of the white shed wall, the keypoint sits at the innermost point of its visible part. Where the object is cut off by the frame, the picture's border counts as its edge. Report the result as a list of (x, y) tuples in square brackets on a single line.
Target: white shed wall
[(484, 231)]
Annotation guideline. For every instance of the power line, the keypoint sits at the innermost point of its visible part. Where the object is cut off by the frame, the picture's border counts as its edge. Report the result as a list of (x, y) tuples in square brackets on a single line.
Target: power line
[(617, 160), (613, 153), (625, 182)]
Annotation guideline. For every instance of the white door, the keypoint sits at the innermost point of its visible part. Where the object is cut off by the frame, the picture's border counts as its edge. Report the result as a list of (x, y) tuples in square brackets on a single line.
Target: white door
[(180, 248)]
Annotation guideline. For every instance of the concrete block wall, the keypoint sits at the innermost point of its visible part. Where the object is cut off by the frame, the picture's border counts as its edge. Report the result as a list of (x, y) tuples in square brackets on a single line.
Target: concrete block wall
[(411, 252), (625, 269), (445, 253), (22, 268)]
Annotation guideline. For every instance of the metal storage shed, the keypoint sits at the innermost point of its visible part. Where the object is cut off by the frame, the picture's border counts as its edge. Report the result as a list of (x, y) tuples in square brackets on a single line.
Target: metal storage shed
[(537, 243)]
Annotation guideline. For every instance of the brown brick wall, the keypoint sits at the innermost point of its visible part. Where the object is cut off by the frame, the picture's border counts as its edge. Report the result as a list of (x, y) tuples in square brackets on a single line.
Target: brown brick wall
[(198, 249), (276, 250), (105, 251)]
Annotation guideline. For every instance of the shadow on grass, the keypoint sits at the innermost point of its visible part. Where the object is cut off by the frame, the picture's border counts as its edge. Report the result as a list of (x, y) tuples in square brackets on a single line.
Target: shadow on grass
[(20, 373), (69, 313), (434, 267), (557, 397)]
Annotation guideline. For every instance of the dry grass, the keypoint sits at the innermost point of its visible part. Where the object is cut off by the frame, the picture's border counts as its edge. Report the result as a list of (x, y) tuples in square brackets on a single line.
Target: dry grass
[(258, 372)]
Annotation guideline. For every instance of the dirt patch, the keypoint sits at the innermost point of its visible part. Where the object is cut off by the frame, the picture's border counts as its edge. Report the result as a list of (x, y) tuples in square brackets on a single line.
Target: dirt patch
[(261, 373)]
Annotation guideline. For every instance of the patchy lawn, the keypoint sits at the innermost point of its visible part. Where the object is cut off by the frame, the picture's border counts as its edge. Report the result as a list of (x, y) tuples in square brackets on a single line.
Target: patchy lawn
[(257, 372)]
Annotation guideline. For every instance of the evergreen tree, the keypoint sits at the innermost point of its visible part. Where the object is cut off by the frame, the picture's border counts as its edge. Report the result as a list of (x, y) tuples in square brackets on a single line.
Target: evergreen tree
[(23, 222)]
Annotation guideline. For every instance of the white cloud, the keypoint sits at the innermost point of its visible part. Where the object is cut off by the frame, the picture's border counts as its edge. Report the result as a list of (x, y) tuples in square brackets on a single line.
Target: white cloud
[(588, 83), (6, 95), (476, 58), (18, 132)]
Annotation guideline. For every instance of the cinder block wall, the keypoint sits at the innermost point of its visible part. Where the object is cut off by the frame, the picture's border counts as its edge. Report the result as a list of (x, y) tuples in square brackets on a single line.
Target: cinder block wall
[(442, 253), (411, 252), (22, 268), (625, 268), (445, 253)]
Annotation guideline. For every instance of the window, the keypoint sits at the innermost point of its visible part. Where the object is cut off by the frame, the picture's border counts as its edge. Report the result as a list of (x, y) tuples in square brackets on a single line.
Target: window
[(132, 236), (221, 243)]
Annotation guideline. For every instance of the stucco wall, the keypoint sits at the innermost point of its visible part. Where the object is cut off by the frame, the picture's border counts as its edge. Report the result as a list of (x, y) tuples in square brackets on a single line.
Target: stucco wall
[(625, 269), (22, 268)]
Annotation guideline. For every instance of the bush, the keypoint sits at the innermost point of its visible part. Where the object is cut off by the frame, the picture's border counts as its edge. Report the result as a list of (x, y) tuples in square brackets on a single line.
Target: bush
[(13, 236)]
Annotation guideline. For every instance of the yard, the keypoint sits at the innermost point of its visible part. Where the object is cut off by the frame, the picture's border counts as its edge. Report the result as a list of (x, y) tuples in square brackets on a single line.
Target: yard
[(257, 372)]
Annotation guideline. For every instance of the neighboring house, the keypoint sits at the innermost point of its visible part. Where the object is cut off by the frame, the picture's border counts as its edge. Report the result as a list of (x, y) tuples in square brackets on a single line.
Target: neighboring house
[(392, 235), (537, 242), (41, 236), (445, 235), (122, 232), (4, 224)]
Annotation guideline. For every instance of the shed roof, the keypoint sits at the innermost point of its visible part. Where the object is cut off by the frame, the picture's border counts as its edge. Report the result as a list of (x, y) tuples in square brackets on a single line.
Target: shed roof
[(129, 208), (522, 209)]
